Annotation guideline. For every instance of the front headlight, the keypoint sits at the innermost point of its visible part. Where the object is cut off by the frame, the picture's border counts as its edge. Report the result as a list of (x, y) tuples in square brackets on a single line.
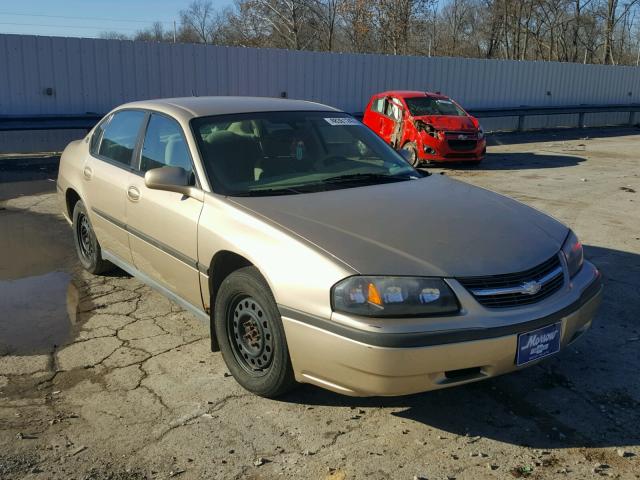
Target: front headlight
[(393, 296), (572, 250)]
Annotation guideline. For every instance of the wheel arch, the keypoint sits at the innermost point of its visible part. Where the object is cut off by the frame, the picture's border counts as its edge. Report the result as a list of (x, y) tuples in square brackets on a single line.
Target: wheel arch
[(71, 198), (223, 264)]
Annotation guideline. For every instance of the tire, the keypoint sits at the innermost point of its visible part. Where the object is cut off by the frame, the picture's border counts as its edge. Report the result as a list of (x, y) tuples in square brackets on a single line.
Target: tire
[(87, 246), (415, 160), (249, 331)]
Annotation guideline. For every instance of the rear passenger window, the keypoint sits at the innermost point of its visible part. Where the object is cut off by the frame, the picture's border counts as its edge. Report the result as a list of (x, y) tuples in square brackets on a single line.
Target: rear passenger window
[(378, 105), (120, 136), (164, 145)]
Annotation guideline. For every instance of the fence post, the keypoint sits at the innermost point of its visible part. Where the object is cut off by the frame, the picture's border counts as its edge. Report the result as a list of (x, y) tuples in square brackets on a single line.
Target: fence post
[(581, 120), (632, 118), (520, 123)]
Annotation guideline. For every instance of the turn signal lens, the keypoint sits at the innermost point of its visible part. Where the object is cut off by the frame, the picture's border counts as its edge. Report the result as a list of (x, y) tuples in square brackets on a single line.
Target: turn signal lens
[(374, 296), (394, 296)]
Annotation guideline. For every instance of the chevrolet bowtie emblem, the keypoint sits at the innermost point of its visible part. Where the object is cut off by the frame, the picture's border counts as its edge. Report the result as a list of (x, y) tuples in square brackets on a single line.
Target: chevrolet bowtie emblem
[(531, 288)]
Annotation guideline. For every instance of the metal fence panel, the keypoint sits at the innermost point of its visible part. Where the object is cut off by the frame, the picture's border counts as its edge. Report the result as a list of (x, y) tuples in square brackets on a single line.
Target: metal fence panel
[(93, 75)]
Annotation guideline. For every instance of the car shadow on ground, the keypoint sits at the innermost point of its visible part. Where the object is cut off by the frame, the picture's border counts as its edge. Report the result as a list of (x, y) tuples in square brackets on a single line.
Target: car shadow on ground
[(560, 134), (512, 161), (583, 397)]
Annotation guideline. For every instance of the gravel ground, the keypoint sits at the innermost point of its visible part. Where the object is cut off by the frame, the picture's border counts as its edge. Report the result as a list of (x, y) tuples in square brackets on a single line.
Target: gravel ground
[(102, 378)]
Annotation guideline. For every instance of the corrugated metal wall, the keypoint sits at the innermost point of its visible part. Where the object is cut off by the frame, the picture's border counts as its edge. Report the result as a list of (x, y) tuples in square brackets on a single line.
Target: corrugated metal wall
[(90, 75)]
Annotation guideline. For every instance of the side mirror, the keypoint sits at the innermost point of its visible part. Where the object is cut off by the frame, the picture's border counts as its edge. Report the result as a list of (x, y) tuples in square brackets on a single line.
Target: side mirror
[(171, 179), (407, 155)]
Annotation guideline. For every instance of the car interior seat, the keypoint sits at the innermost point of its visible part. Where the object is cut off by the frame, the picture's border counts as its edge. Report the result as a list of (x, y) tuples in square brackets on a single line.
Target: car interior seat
[(235, 156), (243, 127)]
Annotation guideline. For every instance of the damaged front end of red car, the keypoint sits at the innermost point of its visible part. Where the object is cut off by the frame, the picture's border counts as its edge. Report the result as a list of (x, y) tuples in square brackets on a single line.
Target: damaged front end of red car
[(448, 141)]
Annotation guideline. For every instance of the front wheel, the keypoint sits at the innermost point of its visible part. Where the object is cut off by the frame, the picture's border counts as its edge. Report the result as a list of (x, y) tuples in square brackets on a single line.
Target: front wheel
[(413, 159), (251, 336), (87, 246)]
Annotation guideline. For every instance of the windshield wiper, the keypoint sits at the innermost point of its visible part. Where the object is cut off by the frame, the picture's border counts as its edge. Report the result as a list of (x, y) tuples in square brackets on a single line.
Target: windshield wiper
[(356, 177), (264, 192)]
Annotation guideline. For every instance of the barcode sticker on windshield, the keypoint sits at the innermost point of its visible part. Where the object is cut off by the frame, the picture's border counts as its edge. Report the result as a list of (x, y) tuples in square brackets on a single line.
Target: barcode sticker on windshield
[(342, 121)]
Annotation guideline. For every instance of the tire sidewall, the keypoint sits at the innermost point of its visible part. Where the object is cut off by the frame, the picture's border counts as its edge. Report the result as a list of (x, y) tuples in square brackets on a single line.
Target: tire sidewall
[(89, 264), (279, 375)]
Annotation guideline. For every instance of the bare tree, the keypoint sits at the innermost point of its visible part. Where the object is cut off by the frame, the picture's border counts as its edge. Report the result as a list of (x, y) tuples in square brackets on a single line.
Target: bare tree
[(200, 17), (358, 22), (594, 31), (292, 23), (154, 33), (327, 13)]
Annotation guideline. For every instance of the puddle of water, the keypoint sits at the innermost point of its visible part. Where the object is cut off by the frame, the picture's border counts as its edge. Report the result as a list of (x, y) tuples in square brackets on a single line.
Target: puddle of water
[(38, 300), (36, 313)]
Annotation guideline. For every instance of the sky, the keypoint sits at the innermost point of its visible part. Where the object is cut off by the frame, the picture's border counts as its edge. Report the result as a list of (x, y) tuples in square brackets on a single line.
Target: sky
[(87, 18)]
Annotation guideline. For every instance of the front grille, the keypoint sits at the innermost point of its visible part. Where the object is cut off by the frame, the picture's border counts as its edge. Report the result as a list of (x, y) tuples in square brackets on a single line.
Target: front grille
[(515, 280), (462, 145)]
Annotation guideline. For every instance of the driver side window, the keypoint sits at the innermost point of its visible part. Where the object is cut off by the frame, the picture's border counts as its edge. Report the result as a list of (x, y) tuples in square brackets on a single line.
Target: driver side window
[(164, 145)]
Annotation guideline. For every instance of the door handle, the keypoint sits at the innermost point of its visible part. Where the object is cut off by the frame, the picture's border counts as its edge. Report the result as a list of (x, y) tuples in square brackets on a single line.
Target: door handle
[(87, 172), (133, 193)]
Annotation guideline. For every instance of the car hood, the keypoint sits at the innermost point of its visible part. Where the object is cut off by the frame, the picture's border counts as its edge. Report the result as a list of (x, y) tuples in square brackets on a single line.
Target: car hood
[(449, 122), (431, 226)]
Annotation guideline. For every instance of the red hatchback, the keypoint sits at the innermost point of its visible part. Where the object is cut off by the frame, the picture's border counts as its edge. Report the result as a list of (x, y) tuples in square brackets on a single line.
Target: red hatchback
[(430, 126)]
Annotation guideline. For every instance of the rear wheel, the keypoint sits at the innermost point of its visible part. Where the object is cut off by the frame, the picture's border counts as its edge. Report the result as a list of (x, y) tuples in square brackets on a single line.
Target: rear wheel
[(87, 246), (251, 336)]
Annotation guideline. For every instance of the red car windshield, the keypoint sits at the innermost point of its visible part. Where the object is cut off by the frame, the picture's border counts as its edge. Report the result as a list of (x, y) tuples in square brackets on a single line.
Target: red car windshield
[(419, 106)]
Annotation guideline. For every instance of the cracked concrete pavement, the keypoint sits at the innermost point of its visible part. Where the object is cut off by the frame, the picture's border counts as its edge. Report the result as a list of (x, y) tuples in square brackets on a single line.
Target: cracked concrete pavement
[(127, 387)]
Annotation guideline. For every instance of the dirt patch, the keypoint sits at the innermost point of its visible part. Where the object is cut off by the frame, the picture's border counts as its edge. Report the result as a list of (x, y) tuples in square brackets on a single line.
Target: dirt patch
[(14, 466), (109, 473)]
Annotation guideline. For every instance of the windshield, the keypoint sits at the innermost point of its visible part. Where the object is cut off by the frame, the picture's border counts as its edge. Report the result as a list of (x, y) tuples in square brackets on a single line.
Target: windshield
[(287, 153), (419, 106)]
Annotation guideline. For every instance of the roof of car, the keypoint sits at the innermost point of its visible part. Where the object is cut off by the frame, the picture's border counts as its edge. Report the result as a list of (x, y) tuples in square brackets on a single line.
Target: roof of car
[(190, 107), (411, 93)]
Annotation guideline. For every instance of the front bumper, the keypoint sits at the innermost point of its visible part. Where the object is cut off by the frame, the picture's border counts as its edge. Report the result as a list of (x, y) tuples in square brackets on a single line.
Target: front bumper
[(361, 362), (443, 152)]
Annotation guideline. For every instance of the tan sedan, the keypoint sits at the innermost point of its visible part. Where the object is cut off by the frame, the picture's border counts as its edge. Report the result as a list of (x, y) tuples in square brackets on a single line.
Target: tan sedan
[(316, 253)]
